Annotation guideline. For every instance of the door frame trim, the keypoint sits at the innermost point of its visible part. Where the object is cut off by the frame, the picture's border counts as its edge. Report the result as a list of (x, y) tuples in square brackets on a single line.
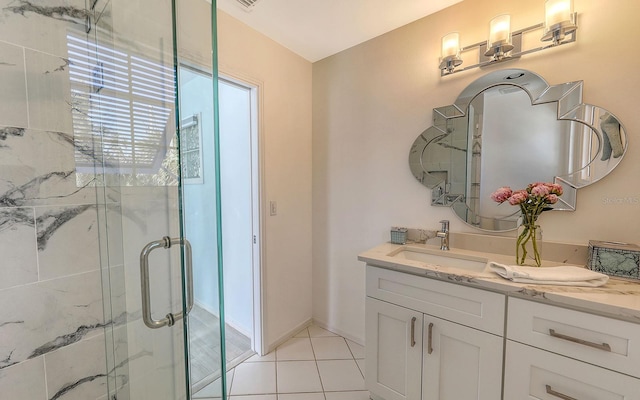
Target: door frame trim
[(258, 204)]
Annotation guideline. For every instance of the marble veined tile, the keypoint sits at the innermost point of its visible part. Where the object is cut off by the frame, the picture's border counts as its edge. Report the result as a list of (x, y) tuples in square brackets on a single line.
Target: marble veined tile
[(49, 90), (148, 214), (38, 168), (110, 221), (78, 371), (39, 318), (17, 247), (158, 371), (42, 24), (119, 369), (13, 84), (24, 381), (114, 298), (68, 241)]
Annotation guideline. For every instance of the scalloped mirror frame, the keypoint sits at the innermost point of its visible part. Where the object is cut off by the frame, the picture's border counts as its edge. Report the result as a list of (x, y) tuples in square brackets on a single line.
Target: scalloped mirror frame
[(568, 97)]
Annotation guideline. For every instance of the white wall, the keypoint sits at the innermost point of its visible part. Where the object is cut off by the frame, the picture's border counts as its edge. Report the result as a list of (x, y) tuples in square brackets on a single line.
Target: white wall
[(200, 199), (235, 169), (370, 102), (196, 97)]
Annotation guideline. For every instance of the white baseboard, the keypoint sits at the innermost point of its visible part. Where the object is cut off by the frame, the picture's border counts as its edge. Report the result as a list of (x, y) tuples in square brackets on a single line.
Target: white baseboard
[(207, 308), (237, 327), (227, 321), (345, 335), (288, 335)]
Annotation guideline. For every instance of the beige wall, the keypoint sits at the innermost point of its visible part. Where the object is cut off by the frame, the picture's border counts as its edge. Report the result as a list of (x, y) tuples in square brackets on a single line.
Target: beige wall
[(371, 101), (284, 84)]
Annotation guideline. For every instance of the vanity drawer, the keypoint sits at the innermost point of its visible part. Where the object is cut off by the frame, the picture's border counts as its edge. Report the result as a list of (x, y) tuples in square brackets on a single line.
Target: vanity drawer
[(472, 307), (602, 341), (532, 373)]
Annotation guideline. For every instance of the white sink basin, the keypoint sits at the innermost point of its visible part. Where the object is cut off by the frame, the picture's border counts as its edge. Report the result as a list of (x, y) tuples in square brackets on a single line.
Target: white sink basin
[(441, 258)]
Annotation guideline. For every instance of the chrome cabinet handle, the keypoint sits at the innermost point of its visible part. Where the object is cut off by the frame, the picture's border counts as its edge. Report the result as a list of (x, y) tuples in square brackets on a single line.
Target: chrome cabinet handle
[(558, 394), (603, 346), (171, 318), (430, 339), (413, 331)]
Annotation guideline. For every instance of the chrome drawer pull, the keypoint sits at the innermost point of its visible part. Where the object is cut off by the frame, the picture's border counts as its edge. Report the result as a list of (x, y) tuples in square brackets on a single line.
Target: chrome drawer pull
[(430, 338), (413, 331), (558, 394), (603, 346)]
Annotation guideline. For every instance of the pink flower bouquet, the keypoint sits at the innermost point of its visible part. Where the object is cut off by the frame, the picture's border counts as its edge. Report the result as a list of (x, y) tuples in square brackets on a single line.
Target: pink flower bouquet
[(533, 200)]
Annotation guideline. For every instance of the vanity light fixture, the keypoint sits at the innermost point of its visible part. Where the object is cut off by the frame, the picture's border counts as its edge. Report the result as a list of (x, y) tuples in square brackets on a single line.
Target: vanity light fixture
[(499, 41), (559, 27), (559, 20), (450, 55)]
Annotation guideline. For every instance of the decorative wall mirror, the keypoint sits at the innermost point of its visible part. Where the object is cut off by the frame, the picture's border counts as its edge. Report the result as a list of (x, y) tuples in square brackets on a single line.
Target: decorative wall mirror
[(511, 128)]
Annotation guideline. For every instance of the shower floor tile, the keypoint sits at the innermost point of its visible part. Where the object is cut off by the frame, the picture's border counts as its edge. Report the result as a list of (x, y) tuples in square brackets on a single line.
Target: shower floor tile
[(204, 346)]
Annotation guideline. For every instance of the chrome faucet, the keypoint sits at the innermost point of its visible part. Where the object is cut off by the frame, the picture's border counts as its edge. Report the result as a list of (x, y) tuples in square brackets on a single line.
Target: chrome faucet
[(443, 234)]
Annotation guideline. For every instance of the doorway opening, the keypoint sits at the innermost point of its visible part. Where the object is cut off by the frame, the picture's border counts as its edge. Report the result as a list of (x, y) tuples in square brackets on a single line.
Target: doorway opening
[(240, 203)]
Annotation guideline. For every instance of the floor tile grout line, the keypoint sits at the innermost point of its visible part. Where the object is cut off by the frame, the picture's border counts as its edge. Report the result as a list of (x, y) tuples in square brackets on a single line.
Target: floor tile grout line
[(360, 369), (317, 367), (277, 394), (275, 357), (233, 374), (276, 367), (354, 357), (348, 348)]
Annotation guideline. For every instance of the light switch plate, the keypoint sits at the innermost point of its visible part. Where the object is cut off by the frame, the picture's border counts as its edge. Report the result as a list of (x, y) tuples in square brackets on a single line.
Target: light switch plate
[(273, 208)]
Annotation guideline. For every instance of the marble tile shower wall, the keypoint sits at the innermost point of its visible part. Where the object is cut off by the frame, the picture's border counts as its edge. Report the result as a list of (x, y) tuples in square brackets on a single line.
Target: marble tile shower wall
[(52, 320)]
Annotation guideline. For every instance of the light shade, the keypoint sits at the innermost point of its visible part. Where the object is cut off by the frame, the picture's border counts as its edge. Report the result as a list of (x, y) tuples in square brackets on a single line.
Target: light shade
[(451, 45), (450, 54), (558, 20), (500, 30), (499, 36)]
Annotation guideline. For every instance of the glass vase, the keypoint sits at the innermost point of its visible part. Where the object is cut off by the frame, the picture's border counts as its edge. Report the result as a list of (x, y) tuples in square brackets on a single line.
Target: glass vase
[(529, 245)]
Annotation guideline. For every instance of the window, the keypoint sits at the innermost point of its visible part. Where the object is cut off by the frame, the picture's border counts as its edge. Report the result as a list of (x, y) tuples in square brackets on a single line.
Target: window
[(123, 114), (191, 150)]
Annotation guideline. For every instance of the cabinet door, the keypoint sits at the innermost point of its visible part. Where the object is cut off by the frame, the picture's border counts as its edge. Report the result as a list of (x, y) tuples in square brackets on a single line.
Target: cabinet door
[(393, 351), (460, 363), (537, 374)]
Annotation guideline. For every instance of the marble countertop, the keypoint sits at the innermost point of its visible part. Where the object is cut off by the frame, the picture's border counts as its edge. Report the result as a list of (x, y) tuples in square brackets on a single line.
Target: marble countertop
[(618, 298)]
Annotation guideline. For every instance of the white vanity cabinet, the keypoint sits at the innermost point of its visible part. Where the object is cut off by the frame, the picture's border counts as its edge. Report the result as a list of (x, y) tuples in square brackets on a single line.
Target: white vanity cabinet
[(556, 353), (460, 362), (393, 365), (432, 340)]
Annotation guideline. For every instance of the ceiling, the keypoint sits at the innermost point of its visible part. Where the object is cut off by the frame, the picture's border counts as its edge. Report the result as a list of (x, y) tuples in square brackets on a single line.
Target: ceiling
[(316, 29)]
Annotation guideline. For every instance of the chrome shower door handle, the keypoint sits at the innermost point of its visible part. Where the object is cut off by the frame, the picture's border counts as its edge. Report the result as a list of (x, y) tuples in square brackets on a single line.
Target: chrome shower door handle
[(171, 318)]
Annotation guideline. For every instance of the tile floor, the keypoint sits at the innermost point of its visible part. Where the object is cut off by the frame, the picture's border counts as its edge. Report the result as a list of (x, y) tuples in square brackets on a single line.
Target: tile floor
[(313, 365)]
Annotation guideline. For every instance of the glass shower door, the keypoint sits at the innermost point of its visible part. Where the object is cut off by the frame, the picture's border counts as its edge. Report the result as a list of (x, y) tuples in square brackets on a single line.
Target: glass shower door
[(127, 94)]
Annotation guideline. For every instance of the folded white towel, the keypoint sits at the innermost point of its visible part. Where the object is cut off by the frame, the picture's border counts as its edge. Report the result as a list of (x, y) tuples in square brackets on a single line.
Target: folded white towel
[(566, 275)]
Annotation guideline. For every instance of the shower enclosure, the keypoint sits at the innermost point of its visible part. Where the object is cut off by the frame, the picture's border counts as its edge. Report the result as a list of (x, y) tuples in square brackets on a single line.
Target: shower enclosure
[(95, 283)]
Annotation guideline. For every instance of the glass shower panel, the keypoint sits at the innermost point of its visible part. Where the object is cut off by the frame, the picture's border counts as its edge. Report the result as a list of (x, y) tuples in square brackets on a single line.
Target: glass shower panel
[(198, 111), (196, 102), (89, 174), (129, 112), (130, 118)]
